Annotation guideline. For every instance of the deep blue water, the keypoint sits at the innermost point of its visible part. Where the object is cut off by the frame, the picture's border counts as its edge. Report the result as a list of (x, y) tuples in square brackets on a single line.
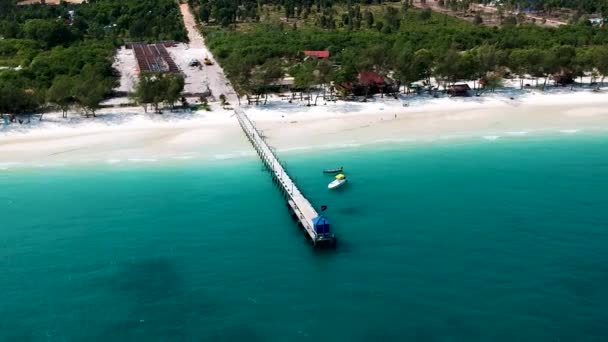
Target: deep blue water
[(493, 241)]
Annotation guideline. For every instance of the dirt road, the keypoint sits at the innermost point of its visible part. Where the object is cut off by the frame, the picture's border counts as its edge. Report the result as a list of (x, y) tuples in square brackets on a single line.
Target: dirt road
[(214, 74)]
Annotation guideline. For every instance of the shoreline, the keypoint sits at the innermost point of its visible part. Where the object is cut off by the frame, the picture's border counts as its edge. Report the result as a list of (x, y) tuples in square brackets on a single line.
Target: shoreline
[(217, 159), (127, 136)]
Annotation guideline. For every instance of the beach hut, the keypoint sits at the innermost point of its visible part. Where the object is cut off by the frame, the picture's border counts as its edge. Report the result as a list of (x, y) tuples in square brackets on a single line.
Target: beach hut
[(459, 89), (563, 78), (369, 83), (371, 78), (286, 83), (321, 225)]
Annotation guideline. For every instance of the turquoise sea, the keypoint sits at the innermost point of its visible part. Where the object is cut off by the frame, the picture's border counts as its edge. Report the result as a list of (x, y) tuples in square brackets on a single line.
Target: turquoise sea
[(501, 240)]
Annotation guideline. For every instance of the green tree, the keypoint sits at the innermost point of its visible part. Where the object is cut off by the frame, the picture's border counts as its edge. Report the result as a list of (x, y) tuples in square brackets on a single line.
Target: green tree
[(485, 61), (564, 57), (304, 77), (582, 63), (348, 71), (9, 29), (266, 74), (425, 14), (559, 61), (324, 74), (173, 85), (391, 18), (240, 69), (204, 13), (347, 74), (600, 60), (511, 20), (404, 67), (89, 97), (533, 62), (145, 90), (519, 63), (423, 63), (18, 101), (375, 57), (7, 6), (48, 32), (60, 93), (90, 89), (477, 20), (369, 19), (448, 66)]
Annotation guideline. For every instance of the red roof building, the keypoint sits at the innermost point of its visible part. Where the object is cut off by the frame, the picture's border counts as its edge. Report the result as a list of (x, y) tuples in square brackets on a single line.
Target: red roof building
[(318, 54), (370, 78), (369, 83)]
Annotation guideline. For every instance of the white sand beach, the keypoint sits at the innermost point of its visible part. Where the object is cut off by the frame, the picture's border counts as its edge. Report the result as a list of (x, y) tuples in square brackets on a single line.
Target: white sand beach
[(129, 136), (490, 118)]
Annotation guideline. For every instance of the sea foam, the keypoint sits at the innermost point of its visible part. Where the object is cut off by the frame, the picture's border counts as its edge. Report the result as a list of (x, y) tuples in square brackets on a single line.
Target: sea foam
[(142, 160), (517, 133)]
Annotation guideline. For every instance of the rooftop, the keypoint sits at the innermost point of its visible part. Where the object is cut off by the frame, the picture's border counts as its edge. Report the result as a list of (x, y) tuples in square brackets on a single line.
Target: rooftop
[(318, 54)]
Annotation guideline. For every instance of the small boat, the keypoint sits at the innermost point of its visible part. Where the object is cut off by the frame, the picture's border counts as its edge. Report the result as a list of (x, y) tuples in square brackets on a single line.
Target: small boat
[(336, 170), (338, 182)]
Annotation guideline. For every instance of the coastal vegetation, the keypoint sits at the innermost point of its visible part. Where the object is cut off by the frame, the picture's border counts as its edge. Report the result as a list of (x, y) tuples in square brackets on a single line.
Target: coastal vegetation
[(154, 89), (62, 54), (392, 39)]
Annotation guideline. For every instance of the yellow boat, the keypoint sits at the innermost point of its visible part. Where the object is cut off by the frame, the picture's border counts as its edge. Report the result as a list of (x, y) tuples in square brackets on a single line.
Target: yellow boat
[(338, 182)]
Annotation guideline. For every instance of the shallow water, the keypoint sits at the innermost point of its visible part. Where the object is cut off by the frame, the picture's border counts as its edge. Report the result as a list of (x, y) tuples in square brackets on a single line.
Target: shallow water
[(501, 240)]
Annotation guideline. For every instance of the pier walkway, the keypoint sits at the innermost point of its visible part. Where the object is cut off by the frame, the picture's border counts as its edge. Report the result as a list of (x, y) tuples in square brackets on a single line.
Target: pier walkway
[(316, 226)]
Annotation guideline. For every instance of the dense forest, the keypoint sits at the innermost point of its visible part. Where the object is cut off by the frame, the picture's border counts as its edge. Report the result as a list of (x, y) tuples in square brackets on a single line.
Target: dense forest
[(63, 54), (586, 6), (226, 12), (403, 42)]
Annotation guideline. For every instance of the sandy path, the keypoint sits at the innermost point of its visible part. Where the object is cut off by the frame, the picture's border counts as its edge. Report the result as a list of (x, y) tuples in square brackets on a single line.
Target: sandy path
[(218, 83), (125, 62)]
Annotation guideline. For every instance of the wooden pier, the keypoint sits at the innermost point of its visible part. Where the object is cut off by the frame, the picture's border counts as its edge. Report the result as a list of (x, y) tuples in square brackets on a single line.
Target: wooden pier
[(316, 227)]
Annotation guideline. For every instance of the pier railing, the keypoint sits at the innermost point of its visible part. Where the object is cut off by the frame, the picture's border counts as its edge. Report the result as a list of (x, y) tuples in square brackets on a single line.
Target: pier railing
[(302, 209)]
